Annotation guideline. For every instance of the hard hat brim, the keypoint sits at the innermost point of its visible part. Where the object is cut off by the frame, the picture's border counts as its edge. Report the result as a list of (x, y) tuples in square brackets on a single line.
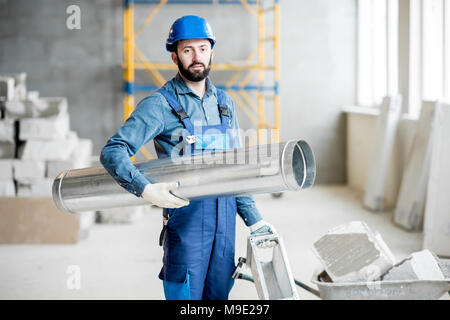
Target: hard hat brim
[(172, 46)]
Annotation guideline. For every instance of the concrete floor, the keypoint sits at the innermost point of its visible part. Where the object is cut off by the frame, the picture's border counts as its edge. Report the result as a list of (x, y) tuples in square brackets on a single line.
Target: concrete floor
[(123, 261)]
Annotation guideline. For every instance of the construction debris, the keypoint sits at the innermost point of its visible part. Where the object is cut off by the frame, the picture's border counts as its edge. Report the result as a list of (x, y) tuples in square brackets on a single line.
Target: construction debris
[(422, 265), (352, 252)]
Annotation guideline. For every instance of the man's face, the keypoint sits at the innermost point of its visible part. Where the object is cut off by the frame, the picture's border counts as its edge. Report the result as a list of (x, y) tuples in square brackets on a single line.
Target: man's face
[(193, 57)]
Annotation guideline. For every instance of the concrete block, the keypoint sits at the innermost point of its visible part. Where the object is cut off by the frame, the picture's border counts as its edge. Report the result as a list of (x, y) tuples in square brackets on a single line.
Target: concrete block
[(58, 149), (374, 195), (352, 253), (20, 84), (422, 265), (6, 169), (7, 130), (7, 150), (36, 107), (80, 158), (55, 106), (121, 215), (7, 188), (18, 109), (29, 171), (411, 199), (437, 218), (53, 127), (7, 88), (37, 189)]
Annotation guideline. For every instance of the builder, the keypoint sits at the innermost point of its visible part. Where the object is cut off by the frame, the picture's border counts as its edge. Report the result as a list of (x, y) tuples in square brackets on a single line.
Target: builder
[(187, 115)]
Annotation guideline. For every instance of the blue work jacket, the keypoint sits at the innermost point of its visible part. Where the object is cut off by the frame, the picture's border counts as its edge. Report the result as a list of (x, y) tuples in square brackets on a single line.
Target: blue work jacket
[(153, 118)]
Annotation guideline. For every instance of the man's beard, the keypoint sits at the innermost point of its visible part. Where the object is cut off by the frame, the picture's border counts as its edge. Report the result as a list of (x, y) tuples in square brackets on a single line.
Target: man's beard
[(197, 75)]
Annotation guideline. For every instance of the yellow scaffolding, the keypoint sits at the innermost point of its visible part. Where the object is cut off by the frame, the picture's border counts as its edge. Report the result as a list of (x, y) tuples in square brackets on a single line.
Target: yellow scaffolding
[(255, 64)]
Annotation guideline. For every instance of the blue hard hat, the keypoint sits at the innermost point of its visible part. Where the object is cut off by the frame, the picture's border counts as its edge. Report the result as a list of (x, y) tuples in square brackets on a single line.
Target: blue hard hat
[(189, 27)]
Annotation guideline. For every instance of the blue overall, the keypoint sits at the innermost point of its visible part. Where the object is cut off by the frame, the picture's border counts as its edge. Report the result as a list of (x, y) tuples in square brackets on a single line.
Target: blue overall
[(199, 239)]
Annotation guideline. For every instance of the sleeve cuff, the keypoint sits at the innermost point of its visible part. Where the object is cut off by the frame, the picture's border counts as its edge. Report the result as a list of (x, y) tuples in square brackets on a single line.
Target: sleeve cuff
[(139, 182), (247, 210)]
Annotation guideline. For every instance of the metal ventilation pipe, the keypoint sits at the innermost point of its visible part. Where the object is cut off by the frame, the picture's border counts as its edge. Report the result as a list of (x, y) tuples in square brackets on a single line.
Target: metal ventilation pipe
[(258, 169)]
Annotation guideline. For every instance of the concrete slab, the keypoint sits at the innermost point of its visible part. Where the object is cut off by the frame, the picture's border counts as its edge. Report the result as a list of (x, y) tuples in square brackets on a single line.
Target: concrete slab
[(421, 265), (410, 207), (390, 110), (353, 252)]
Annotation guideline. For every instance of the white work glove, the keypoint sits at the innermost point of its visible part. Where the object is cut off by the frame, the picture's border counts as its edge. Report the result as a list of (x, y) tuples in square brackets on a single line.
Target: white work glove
[(159, 195), (262, 227)]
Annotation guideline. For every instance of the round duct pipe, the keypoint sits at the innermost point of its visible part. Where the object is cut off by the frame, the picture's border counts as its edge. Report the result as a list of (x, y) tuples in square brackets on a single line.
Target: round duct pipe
[(258, 169)]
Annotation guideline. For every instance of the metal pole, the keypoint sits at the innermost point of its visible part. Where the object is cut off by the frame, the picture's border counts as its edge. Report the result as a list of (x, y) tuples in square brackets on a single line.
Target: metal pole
[(257, 169)]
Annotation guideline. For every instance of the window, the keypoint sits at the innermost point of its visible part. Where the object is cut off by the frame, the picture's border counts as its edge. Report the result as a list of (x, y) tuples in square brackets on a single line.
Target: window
[(429, 49), (425, 44), (447, 51), (377, 50)]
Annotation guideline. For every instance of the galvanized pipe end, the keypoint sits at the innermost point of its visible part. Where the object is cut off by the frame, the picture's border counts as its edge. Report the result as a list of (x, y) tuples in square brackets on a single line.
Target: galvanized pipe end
[(56, 192), (298, 165)]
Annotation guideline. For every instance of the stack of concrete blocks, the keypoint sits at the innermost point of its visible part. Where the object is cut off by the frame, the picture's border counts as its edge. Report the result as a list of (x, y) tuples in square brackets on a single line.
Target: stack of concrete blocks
[(12, 90), (36, 142), (43, 137)]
